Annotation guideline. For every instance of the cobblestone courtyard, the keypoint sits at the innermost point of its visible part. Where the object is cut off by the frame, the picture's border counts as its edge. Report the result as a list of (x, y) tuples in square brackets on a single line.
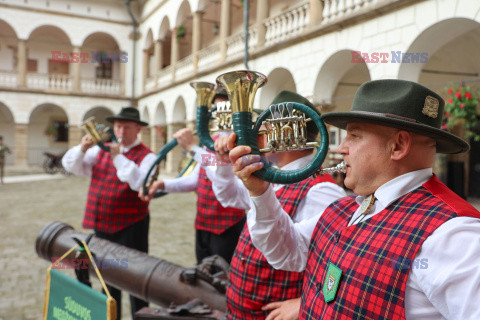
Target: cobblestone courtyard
[(26, 207)]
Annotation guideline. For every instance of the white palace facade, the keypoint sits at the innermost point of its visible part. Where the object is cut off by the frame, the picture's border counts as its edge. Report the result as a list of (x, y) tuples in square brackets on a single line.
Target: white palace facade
[(160, 46)]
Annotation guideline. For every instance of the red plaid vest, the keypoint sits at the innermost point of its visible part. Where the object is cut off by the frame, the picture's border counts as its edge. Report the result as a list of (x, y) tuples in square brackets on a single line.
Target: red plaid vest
[(111, 204), (211, 215), (376, 255), (253, 282)]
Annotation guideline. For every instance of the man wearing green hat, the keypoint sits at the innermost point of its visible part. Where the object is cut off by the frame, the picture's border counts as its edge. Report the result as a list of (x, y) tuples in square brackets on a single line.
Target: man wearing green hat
[(113, 209), (256, 290), (405, 246)]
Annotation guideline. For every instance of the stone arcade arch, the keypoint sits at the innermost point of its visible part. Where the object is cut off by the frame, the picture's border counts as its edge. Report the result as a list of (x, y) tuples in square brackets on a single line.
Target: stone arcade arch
[(279, 79), (47, 132)]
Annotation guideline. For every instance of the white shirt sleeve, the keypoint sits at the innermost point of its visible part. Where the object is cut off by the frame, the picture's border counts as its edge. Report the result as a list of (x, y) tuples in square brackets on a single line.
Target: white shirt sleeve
[(79, 163), (284, 242), (444, 279), (227, 187), (183, 184), (129, 172)]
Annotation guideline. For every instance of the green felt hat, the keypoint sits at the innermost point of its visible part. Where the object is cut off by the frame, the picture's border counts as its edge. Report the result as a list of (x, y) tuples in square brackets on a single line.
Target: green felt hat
[(127, 114), (400, 104), (285, 96)]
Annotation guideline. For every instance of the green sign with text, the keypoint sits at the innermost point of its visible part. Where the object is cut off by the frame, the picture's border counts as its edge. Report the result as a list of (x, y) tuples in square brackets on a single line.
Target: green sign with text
[(68, 299)]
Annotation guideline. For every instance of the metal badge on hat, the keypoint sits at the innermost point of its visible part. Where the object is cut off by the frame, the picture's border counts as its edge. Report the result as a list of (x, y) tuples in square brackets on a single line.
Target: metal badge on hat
[(430, 108)]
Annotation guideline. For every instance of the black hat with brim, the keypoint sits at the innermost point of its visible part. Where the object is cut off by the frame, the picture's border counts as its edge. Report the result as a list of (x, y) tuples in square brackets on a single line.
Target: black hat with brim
[(127, 114), (403, 105)]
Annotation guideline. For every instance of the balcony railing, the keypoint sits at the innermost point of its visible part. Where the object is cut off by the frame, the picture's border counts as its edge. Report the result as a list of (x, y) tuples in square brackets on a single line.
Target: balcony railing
[(236, 43), (46, 81), (208, 56), (150, 83), (334, 9), (165, 76), (287, 24), (102, 86), (184, 68), (8, 79)]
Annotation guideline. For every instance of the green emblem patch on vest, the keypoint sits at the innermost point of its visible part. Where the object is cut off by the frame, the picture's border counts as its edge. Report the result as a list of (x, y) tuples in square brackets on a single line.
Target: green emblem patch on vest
[(332, 280)]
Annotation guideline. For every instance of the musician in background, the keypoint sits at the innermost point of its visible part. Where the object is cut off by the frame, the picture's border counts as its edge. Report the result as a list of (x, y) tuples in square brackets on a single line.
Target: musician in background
[(406, 247), (257, 290), (217, 227), (4, 150), (113, 209)]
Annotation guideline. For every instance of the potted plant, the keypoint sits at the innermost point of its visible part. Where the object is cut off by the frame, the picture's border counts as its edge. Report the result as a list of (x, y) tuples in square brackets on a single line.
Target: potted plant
[(181, 31), (461, 108)]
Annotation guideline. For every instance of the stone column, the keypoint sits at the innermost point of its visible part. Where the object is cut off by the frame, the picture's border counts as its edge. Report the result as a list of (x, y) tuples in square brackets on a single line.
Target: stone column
[(145, 67), (77, 72), (174, 52), (196, 37), (224, 28), (316, 13), (145, 136), (21, 140), (175, 156), (123, 67), (157, 63), (153, 139), (22, 63), (262, 14), (75, 135)]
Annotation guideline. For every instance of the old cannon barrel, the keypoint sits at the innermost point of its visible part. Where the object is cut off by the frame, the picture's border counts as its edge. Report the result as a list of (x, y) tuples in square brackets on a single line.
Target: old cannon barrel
[(152, 279)]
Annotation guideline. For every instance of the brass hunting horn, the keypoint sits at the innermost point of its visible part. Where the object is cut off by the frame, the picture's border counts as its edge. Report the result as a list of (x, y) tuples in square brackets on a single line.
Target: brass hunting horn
[(205, 93), (285, 129), (98, 133)]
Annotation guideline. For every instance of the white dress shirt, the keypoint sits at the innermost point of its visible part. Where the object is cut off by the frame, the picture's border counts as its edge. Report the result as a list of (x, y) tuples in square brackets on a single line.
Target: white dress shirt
[(80, 164), (444, 284), (221, 175)]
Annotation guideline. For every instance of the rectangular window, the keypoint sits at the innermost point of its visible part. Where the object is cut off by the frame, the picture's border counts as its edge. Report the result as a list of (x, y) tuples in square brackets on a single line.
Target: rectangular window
[(62, 131)]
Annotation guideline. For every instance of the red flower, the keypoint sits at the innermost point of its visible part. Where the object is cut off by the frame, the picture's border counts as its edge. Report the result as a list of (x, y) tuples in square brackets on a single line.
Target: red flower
[(444, 126), (468, 95), (458, 95), (450, 91), (447, 114), (450, 101), (462, 106)]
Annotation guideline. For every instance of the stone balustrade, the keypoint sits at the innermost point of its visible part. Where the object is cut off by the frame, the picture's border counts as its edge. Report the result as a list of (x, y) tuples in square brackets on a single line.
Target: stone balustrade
[(184, 68), (8, 79), (46, 81), (334, 9), (208, 56), (236, 43), (102, 86), (165, 76), (287, 24)]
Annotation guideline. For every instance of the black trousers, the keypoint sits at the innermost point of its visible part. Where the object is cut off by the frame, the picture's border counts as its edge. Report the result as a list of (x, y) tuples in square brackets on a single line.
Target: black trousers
[(135, 237), (208, 243)]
